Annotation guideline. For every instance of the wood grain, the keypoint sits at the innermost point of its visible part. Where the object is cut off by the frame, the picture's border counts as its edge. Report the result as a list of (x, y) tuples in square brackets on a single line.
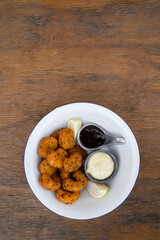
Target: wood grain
[(57, 52)]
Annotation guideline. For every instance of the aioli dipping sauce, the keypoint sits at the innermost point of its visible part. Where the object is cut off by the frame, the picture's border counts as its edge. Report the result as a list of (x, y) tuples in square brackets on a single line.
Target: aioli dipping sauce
[(100, 166), (92, 136)]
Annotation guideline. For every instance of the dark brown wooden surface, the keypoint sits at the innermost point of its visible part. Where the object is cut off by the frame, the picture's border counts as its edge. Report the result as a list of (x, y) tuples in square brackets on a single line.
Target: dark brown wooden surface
[(58, 52)]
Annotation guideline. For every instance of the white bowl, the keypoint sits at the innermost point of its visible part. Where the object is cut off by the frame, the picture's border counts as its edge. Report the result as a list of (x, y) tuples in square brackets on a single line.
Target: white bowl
[(128, 156)]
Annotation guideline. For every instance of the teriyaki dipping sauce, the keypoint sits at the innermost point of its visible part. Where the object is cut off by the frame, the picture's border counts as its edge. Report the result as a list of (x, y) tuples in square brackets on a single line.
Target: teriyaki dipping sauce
[(92, 136)]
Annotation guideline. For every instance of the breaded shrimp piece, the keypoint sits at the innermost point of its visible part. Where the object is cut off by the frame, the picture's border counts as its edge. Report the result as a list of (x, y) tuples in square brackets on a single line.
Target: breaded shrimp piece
[(44, 167), (79, 175), (55, 158), (50, 183), (73, 162), (64, 174), (66, 196), (73, 185), (47, 144), (62, 153), (78, 149), (66, 139), (56, 134)]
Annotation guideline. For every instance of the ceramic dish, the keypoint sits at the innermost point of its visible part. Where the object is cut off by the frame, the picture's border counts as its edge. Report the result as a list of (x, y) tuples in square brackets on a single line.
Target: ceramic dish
[(107, 180), (128, 157)]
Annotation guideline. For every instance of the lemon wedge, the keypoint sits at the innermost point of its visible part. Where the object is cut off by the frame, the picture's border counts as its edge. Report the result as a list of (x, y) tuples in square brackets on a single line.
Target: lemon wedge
[(74, 125), (96, 190)]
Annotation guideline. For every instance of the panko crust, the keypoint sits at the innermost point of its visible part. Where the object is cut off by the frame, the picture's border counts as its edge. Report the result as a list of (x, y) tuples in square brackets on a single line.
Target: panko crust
[(73, 185), (80, 175), (67, 197), (61, 167), (66, 139), (78, 149), (76, 184), (56, 134), (64, 174), (44, 167), (55, 158), (50, 183), (47, 144), (73, 162)]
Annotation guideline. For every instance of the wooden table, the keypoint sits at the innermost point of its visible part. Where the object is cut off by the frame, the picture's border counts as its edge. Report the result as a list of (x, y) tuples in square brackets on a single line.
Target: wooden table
[(57, 52)]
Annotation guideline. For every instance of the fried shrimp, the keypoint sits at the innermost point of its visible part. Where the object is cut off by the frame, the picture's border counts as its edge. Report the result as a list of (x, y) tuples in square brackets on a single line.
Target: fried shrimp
[(72, 185), (55, 158), (75, 185), (73, 162), (64, 174), (44, 167), (50, 183), (61, 167), (66, 139), (66, 196), (78, 149), (79, 175), (47, 144), (56, 134)]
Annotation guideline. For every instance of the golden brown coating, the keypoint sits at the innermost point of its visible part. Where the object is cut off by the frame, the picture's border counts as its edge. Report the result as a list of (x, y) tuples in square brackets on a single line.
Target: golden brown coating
[(55, 158), (47, 144), (64, 174), (66, 139), (66, 196), (72, 185), (73, 162), (68, 164), (78, 149), (50, 183), (75, 185), (44, 167), (79, 175), (56, 134)]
